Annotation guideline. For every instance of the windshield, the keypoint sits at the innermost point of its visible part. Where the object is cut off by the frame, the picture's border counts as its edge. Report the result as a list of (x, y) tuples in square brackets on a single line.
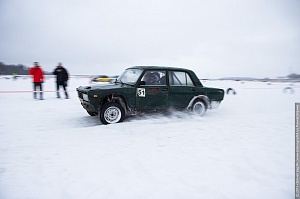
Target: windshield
[(130, 76)]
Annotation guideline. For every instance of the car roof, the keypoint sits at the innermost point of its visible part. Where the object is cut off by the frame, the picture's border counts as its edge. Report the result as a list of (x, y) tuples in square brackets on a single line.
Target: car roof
[(158, 68)]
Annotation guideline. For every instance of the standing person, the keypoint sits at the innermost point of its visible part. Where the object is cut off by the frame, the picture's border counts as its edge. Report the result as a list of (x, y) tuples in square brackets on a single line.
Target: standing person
[(37, 78), (62, 77)]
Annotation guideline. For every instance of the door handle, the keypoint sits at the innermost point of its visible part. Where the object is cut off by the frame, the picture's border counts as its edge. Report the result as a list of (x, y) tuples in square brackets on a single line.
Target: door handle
[(165, 89), (193, 89)]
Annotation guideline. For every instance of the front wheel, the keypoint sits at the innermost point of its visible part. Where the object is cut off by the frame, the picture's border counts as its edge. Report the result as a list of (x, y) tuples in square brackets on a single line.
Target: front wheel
[(112, 113), (199, 108)]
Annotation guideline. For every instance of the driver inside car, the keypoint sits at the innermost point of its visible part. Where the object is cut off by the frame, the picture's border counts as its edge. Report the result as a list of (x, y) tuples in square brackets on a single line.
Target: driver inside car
[(152, 78)]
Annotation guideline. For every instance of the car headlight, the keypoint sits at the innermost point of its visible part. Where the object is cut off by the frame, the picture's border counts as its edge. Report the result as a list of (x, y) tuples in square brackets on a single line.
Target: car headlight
[(85, 97)]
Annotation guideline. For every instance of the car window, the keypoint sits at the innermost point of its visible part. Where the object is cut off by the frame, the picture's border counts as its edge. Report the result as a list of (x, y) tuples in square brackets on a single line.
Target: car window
[(154, 77), (177, 78), (130, 76)]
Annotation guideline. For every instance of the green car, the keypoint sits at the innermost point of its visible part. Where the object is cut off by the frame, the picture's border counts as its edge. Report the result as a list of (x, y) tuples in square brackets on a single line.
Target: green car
[(147, 89)]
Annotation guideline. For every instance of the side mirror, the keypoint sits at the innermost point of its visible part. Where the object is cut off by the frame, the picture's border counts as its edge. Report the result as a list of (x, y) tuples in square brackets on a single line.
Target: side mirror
[(142, 83)]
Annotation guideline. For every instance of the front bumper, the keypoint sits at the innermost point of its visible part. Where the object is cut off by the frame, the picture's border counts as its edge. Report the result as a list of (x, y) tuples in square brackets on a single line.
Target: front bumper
[(87, 106)]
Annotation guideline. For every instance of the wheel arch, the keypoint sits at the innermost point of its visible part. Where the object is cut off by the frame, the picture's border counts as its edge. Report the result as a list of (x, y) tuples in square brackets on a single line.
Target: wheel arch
[(204, 98), (119, 98)]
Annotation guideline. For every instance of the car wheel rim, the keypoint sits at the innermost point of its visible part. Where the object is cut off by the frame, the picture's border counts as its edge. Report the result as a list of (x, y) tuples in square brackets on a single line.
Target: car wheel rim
[(112, 115), (199, 108)]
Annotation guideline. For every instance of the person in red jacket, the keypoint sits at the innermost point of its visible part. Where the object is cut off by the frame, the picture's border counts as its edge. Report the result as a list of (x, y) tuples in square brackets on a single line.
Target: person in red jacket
[(38, 78)]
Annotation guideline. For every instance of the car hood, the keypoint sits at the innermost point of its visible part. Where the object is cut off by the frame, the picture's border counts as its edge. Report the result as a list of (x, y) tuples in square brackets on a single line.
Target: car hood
[(104, 87)]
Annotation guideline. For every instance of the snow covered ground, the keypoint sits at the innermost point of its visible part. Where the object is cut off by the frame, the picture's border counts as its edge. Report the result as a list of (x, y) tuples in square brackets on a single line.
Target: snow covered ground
[(52, 149)]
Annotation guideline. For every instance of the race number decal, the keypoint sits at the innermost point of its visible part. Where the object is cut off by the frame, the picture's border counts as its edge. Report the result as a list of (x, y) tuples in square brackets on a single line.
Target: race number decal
[(141, 92)]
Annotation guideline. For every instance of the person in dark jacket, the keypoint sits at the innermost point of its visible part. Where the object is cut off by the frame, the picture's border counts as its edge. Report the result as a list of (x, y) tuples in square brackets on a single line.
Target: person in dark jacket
[(62, 77), (37, 78)]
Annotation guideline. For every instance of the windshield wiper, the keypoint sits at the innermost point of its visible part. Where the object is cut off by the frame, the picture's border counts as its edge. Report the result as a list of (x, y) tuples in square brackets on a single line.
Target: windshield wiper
[(119, 81)]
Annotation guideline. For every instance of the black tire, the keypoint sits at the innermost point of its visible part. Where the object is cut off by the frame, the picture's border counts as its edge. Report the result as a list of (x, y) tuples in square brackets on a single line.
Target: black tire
[(112, 113), (199, 108), (230, 91), (92, 113)]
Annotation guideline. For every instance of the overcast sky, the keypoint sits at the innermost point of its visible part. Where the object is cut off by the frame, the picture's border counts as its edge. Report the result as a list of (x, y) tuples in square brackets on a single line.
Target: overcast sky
[(215, 38)]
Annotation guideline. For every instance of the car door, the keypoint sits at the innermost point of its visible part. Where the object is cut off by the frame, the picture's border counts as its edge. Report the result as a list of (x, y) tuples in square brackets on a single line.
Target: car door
[(152, 92), (181, 90)]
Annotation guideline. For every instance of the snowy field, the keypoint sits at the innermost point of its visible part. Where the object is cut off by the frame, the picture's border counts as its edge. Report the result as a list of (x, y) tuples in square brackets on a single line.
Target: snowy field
[(52, 149)]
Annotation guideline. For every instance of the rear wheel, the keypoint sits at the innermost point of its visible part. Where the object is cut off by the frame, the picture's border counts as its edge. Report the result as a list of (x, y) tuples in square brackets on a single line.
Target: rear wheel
[(199, 108), (111, 113)]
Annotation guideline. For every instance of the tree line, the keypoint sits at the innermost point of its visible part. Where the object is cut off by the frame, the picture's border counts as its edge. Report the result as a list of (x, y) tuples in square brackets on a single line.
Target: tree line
[(15, 69)]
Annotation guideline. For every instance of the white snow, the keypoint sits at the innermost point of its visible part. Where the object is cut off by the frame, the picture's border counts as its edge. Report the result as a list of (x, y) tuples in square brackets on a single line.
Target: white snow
[(52, 149)]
